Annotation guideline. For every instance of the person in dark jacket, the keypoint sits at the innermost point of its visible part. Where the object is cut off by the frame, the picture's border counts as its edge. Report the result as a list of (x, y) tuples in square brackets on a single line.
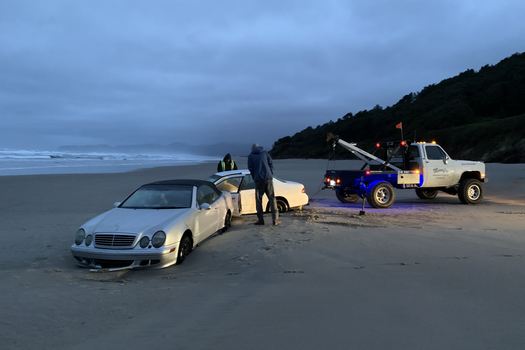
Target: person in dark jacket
[(261, 168), (227, 163)]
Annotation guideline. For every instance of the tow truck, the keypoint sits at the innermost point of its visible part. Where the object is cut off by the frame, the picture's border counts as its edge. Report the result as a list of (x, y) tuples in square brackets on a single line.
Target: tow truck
[(423, 166)]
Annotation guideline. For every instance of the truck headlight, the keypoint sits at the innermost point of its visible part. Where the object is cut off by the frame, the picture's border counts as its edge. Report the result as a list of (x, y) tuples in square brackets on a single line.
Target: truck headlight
[(79, 237), (158, 239)]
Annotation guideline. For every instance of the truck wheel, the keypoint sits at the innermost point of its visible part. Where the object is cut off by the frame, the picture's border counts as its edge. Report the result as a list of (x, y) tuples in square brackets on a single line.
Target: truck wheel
[(470, 191), (425, 193), (381, 195), (345, 197)]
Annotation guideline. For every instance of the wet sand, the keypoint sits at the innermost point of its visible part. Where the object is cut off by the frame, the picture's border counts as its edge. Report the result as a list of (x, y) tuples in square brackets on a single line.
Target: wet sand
[(421, 275)]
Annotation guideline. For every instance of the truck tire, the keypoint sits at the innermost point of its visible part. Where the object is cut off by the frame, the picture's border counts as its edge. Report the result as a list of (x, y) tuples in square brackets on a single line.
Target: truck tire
[(345, 197), (470, 191), (382, 195), (426, 193)]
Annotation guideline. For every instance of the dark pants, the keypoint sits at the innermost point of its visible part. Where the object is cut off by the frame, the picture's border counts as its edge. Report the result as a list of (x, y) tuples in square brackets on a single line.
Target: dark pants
[(262, 188)]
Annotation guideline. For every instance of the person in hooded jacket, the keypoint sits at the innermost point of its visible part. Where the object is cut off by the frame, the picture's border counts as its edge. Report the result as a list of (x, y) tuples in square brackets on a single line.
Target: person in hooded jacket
[(227, 163), (261, 168)]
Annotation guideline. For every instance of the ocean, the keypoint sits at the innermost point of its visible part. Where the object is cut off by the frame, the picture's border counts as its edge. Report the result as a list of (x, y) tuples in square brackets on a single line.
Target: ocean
[(30, 162)]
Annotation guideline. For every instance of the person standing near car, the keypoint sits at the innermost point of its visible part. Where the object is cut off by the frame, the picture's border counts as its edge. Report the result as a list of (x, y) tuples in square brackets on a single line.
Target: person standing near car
[(227, 163), (261, 168)]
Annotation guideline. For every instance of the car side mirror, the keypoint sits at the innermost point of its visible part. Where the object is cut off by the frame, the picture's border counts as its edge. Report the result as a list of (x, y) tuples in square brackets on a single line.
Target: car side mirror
[(205, 206), (445, 159), (116, 204)]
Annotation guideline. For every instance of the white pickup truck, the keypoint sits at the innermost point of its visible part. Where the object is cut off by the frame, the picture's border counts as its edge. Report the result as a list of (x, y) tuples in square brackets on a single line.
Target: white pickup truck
[(423, 166)]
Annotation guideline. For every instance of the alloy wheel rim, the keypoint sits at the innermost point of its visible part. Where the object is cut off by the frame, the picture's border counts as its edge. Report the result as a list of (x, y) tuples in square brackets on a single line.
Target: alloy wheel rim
[(473, 192), (382, 195)]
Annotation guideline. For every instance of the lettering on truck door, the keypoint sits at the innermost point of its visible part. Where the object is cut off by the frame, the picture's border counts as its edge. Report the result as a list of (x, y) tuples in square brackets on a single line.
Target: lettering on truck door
[(437, 173)]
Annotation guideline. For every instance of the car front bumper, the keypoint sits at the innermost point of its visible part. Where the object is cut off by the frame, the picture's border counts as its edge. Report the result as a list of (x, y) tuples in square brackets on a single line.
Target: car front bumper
[(125, 258)]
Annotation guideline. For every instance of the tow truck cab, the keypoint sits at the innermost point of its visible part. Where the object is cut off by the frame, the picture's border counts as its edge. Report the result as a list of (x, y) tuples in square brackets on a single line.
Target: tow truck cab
[(436, 168)]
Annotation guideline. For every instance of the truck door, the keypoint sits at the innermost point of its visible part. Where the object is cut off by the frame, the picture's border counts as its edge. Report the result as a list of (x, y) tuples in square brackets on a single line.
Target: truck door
[(436, 172)]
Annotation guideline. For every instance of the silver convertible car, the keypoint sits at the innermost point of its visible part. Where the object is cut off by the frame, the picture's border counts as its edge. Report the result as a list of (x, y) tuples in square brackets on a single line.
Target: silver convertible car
[(157, 225)]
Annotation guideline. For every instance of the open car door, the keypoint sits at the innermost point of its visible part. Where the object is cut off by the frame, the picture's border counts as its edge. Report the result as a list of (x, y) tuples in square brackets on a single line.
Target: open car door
[(231, 185)]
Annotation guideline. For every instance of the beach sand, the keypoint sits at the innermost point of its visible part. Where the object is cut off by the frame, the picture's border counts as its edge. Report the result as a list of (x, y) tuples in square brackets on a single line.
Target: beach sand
[(421, 275)]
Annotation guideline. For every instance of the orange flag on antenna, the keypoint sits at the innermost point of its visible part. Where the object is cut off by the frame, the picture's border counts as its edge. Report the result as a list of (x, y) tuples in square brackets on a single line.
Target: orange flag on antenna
[(399, 125)]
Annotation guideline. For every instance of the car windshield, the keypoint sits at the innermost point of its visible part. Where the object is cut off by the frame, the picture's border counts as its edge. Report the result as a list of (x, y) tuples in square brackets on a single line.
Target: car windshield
[(160, 197)]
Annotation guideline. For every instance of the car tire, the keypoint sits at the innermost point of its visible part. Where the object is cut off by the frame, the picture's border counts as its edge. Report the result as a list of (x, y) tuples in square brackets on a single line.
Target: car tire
[(470, 191), (282, 206), (426, 193), (345, 197), (227, 222), (185, 248), (381, 196)]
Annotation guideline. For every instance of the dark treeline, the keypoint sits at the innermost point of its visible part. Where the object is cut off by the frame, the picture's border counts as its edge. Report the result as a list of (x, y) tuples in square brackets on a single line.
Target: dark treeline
[(474, 115)]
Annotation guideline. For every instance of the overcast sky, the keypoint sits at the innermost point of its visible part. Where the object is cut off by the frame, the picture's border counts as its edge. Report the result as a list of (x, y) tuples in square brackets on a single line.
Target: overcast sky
[(133, 72)]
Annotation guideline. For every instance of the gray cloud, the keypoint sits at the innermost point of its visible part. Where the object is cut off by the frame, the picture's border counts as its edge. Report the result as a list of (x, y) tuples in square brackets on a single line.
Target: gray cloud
[(123, 72)]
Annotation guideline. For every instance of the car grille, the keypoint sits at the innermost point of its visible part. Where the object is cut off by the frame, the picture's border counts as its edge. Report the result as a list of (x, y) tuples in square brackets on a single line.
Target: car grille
[(104, 240)]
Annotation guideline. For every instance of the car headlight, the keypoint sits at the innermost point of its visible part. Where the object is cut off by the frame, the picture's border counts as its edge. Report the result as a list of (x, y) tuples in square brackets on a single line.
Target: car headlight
[(89, 239), (79, 237), (158, 239), (144, 242)]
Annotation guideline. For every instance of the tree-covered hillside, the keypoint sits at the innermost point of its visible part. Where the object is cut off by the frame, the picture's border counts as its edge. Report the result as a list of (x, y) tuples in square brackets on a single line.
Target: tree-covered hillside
[(474, 115)]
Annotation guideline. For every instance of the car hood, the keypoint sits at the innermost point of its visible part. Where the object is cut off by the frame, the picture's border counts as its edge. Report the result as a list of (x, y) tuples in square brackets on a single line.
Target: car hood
[(136, 220)]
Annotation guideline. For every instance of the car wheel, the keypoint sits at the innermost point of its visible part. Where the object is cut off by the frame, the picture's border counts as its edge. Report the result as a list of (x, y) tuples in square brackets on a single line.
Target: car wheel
[(227, 222), (282, 206), (470, 191), (425, 193), (185, 247), (381, 196), (345, 197)]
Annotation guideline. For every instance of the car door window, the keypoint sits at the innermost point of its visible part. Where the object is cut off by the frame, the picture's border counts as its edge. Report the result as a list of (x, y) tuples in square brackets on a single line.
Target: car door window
[(247, 183), (231, 185), (434, 153), (206, 194)]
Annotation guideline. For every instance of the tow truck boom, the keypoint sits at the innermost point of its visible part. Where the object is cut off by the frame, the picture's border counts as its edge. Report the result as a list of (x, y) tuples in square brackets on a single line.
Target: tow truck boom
[(366, 157)]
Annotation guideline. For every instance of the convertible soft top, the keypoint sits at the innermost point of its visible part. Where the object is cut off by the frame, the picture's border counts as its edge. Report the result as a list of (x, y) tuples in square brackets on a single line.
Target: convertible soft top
[(184, 182)]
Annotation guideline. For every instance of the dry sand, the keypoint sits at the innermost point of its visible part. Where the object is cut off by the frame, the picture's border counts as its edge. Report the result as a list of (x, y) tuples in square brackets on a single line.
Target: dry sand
[(421, 275)]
